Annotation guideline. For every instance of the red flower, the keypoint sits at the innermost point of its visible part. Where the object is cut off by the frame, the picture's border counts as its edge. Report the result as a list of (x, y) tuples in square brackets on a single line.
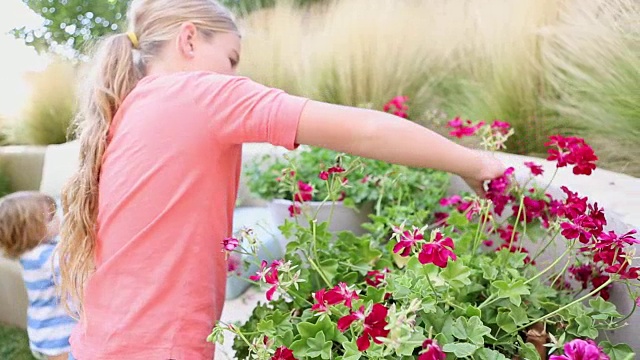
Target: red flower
[(374, 325), (339, 294), (452, 200), (375, 277), (497, 191), (441, 218), (612, 240), (487, 243), (502, 126), (431, 351), (283, 353), (345, 322), (582, 274), (230, 243), (305, 192), (579, 229), (397, 106), (572, 151), (321, 304), (407, 240), (336, 169), (638, 301), (535, 168), (343, 293), (599, 281), (462, 129), (234, 263), (506, 233), (269, 275), (437, 252), (323, 175), (572, 207), (294, 209)]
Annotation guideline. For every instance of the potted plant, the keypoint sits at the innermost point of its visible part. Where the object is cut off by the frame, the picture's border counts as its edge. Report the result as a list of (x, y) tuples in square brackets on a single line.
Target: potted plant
[(461, 285)]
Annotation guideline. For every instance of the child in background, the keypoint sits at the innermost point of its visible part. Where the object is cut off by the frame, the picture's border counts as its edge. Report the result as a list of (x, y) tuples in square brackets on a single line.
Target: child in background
[(162, 120), (29, 227)]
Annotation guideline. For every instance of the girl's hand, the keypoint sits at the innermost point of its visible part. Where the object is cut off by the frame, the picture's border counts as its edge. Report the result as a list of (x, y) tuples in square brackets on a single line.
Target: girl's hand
[(489, 168)]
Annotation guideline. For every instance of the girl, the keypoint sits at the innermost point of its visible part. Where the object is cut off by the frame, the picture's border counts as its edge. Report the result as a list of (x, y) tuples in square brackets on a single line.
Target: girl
[(161, 129), (29, 226)]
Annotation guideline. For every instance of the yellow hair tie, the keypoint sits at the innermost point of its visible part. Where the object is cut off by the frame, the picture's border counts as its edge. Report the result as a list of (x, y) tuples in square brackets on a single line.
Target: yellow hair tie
[(134, 39)]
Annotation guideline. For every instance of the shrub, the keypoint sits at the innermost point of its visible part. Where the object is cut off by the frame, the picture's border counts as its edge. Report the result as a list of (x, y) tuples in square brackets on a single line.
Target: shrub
[(49, 110)]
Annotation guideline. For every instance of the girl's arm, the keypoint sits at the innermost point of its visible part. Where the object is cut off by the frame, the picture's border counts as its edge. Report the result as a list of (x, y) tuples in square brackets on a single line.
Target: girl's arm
[(386, 137)]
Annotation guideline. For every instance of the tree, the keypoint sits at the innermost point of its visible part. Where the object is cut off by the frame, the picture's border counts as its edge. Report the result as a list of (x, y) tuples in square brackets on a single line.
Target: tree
[(72, 24)]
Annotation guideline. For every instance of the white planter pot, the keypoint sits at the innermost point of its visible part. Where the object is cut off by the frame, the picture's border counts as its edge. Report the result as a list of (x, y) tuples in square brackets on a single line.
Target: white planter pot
[(341, 219)]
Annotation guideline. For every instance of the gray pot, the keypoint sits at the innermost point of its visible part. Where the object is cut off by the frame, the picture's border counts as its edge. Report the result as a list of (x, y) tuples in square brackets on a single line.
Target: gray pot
[(341, 219), (257, 219)]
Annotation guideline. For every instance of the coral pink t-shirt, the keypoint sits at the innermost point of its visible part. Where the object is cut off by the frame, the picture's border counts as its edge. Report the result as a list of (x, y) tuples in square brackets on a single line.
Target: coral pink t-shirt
[(167, 192)]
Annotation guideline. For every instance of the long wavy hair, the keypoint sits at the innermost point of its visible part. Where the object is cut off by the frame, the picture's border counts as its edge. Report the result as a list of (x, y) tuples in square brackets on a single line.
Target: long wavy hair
[(117, 64)]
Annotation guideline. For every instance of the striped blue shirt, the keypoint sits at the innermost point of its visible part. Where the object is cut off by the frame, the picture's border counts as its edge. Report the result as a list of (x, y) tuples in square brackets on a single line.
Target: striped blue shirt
[(48, 324)]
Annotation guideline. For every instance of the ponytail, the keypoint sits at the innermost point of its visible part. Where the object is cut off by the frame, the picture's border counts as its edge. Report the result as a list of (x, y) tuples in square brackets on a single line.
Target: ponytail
[(112, 76)]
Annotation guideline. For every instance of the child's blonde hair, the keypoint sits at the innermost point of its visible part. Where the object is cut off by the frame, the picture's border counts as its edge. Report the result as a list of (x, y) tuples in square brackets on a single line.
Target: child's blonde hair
[(24, 217), (119, 62)]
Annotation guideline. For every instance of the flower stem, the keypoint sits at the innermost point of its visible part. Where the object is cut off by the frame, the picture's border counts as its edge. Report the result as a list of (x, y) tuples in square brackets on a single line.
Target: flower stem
[(595, 291), (555, 172), (480, 230), (633, 310), (550, 266), (541, 251), (488, 301), (515, 225), (562, 271)]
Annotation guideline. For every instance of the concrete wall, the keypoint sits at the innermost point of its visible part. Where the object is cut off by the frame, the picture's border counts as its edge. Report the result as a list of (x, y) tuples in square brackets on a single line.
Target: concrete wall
[(23, 165)]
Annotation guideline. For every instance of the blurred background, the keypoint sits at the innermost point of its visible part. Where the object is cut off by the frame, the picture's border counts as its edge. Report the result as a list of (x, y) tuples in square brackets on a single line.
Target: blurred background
[(546, 66)]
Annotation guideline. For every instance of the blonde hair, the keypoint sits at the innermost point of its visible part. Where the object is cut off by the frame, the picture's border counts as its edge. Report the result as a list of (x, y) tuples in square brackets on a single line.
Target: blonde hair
[(116, 69), (24, 217)]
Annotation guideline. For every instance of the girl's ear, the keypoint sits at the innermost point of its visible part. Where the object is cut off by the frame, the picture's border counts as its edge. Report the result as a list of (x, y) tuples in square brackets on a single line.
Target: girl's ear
[(185, 42)]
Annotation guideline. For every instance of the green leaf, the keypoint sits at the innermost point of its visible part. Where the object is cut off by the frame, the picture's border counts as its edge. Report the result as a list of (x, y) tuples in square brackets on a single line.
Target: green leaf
[(603, 309), (456, 274), (519, 315), (512, 290), (318, 346), (286, 337), (489, 272), (329, 268), (505, 321), (266, 326), (618, 352), (472, 330), (460, 350), (299, 348), (351, 351), (309, 330), (529, 352), (586, 327), (473, 311), (457, 219), (488, 354)]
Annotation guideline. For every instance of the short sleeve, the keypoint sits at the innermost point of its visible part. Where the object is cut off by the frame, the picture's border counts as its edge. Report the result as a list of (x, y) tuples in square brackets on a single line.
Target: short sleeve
[(243, 111)]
